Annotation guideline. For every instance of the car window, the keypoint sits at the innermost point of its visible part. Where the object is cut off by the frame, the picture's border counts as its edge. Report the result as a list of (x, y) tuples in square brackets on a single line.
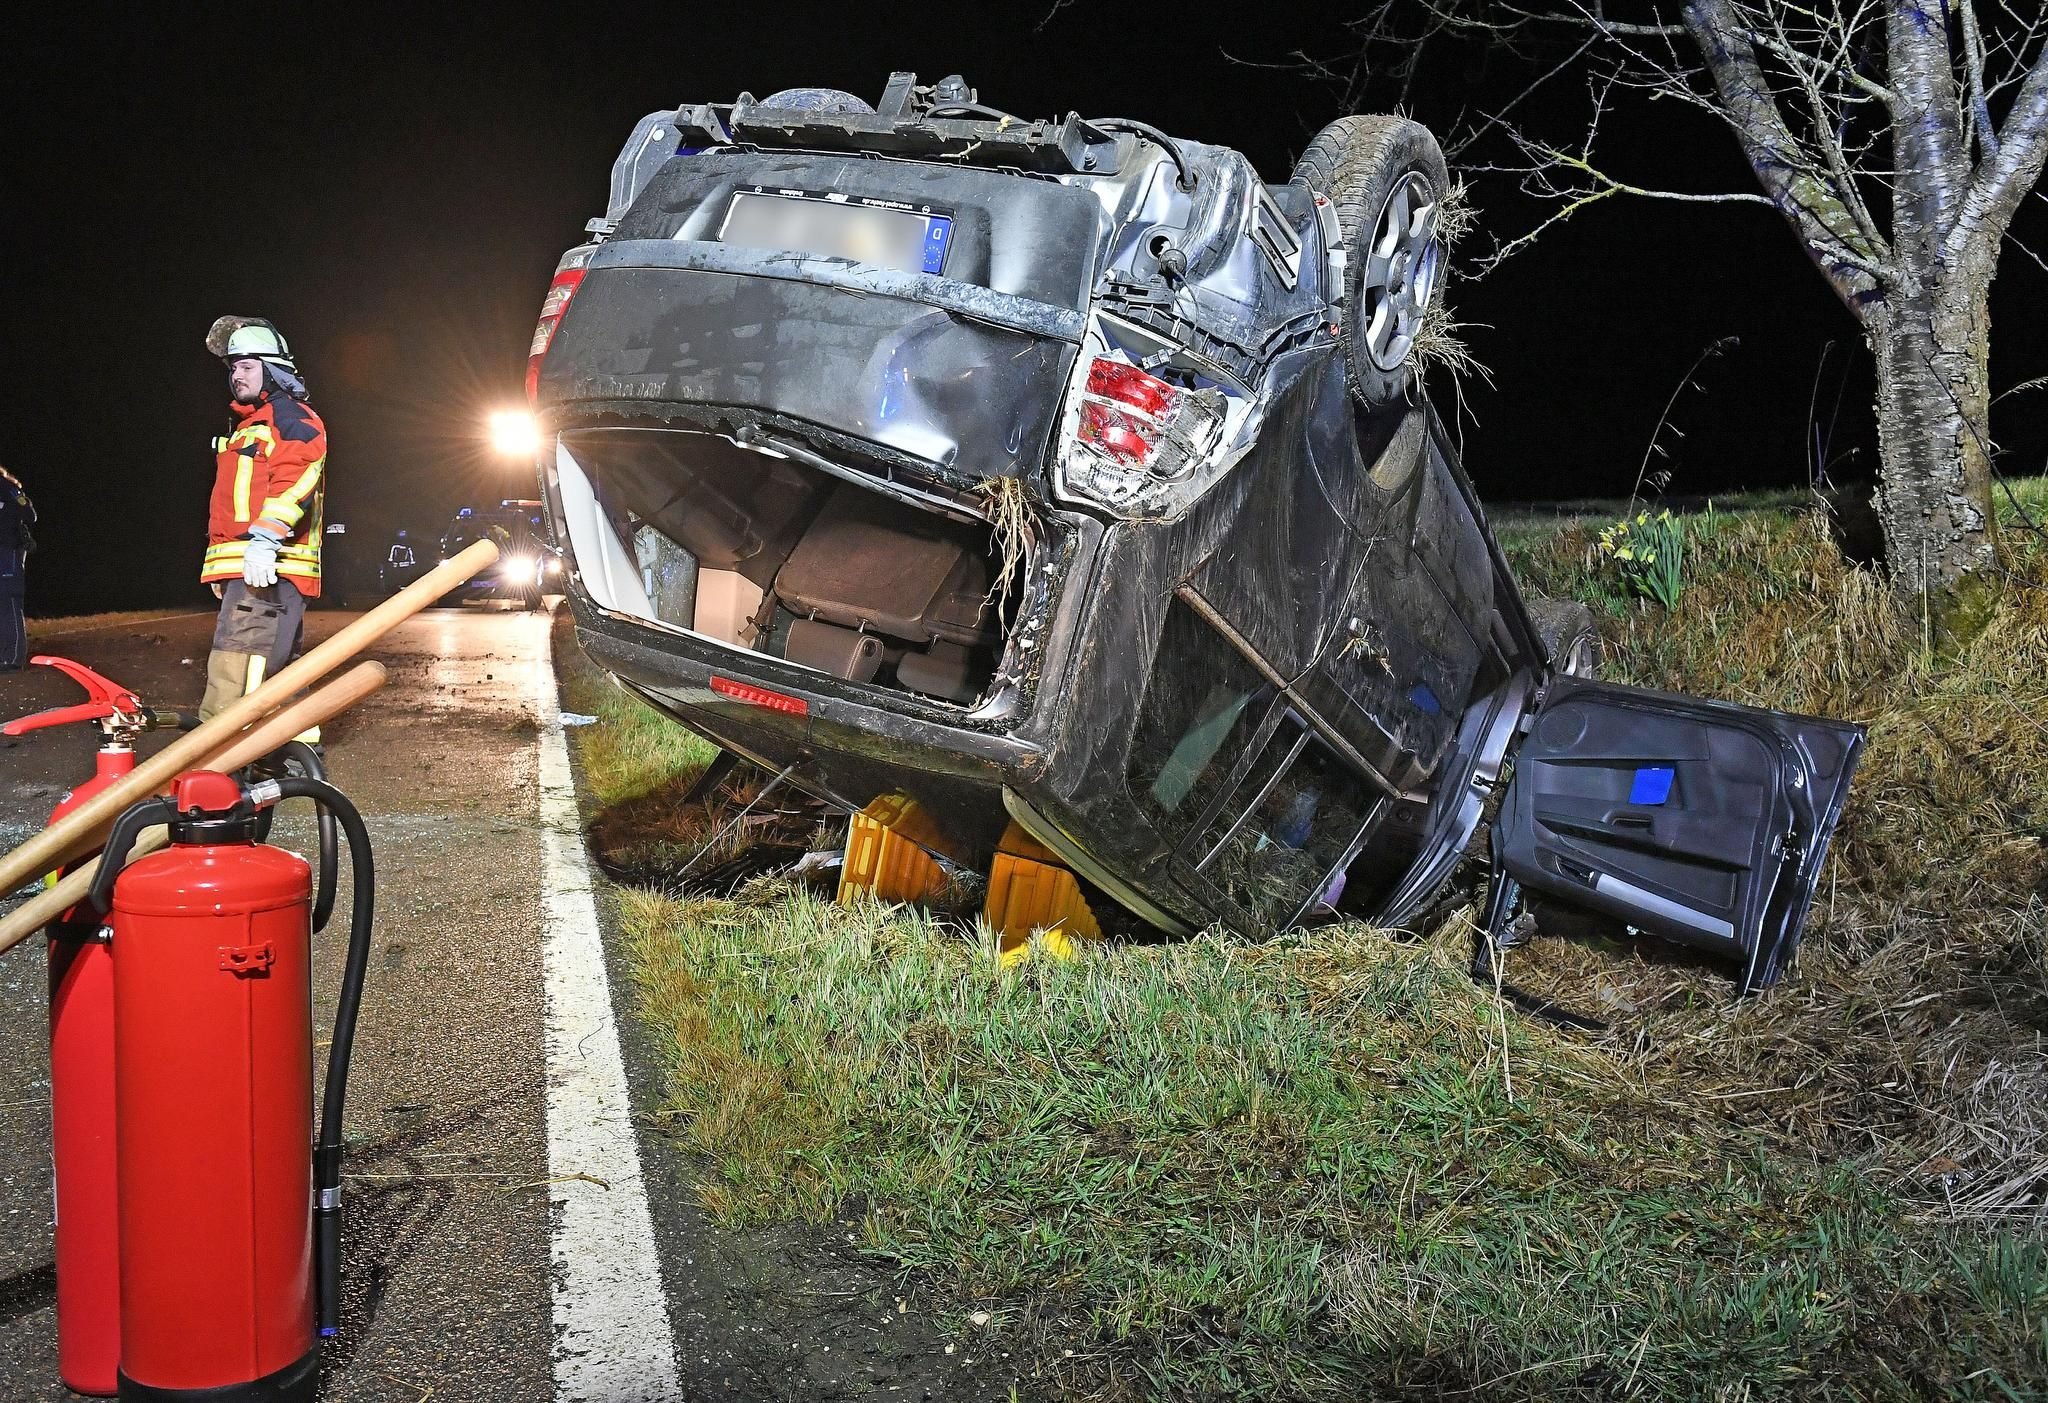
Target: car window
[(1275, 845), (1204, 702)]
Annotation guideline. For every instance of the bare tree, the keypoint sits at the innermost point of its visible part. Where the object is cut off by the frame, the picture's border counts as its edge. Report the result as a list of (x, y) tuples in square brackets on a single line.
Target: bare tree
[(1896, 138)]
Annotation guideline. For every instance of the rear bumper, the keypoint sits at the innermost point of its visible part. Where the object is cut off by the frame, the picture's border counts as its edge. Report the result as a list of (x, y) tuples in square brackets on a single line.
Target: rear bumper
[(846, 747)]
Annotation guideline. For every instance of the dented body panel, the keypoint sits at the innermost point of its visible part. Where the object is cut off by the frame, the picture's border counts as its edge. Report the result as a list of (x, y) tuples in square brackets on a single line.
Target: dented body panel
[(1268, 680)]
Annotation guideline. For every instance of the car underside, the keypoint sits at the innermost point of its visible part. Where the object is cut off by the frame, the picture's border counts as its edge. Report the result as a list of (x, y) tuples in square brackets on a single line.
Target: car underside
[(1066, 479)]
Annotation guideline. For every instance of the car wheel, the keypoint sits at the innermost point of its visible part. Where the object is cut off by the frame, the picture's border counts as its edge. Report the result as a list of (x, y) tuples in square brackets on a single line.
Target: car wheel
[(1386, 178), (1569, 635)]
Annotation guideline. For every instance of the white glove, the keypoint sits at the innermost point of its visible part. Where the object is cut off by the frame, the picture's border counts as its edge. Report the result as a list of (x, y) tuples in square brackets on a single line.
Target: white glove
[(259, 562), (219, 592)]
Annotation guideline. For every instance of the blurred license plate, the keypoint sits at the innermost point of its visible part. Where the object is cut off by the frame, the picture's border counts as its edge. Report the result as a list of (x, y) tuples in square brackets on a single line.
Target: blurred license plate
[(888, 236)]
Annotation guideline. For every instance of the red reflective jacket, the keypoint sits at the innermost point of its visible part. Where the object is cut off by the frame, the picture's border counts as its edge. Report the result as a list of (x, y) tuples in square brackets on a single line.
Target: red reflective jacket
[(270, 472)]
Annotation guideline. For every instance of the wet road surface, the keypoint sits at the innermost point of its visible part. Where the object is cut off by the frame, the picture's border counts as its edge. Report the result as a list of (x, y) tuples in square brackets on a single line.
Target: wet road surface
[(447, 1274), (446, 1263)]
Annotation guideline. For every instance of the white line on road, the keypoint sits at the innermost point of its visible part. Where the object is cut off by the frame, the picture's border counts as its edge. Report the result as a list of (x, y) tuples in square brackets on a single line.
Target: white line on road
[(613, 1343)]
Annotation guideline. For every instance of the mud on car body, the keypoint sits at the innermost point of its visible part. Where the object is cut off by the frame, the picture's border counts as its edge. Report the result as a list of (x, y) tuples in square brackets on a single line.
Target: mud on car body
[(1067, 473)]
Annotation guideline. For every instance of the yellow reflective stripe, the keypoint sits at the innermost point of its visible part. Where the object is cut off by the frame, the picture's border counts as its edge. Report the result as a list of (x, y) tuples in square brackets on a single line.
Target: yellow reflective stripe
[(298, 490), (257, 666), (286, 506), (247, 436)]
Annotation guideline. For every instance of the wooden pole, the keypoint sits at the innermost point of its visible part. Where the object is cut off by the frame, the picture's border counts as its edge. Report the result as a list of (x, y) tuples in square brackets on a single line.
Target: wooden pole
[(337, 696), (64, 839)]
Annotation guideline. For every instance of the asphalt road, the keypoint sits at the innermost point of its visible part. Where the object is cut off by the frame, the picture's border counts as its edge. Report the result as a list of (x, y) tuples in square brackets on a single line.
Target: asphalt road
[(447, 1257), (453, 1289)]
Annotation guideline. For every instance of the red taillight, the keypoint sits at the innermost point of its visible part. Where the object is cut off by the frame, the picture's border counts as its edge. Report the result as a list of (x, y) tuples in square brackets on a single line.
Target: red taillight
[(1139, 440), (1115, 434), (567, 280), (1124, 410), (1126, 384), (760, 696)]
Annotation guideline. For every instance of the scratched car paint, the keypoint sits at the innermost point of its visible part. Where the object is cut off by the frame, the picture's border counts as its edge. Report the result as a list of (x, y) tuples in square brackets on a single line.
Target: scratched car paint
[(1067, 474)]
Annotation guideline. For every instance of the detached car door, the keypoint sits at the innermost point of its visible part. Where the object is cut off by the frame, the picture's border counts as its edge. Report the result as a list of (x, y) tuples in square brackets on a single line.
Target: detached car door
[(1704, 822)]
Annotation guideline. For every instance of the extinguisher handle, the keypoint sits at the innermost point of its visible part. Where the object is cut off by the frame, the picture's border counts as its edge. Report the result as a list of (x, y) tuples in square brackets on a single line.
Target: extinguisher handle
[(108, 700), (161, 809)]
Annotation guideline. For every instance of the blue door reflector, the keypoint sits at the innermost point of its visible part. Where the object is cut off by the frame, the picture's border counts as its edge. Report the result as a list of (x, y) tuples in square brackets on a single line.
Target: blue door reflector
[(1652, 785)]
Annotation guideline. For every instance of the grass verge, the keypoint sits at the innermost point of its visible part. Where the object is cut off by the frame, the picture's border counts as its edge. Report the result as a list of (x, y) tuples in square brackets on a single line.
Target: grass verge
[(61, 626), (1328, 1166)]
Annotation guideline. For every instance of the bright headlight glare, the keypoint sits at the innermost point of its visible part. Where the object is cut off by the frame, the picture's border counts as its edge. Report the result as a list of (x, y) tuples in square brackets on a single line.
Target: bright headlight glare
[(514, 434)]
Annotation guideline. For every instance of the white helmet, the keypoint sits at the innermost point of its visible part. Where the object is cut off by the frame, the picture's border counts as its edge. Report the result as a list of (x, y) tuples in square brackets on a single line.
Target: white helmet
[(235, 338)]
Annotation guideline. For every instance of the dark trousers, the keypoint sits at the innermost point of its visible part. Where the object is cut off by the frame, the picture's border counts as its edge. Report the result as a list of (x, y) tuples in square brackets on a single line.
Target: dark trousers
[(13, 634), (257, 633)]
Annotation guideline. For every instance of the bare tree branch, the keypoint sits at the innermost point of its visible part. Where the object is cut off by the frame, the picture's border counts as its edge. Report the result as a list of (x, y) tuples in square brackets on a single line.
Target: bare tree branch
[(1815, 70), (1973, 58), (1826, 226), (1598, 186), (2003, 180), (1827, 123), (1499, 118)]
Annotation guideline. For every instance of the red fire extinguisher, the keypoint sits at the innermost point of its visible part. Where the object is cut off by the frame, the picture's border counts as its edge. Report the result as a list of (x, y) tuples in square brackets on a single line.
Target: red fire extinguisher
[(82, 1061), (228, 1207)]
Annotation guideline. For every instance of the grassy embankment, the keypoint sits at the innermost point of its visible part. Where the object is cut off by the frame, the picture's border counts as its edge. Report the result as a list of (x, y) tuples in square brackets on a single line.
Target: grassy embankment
[(1329, 1166), (65, 625)]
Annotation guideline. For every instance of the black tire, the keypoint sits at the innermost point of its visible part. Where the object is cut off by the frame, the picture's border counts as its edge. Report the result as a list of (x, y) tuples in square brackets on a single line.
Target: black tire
[(1356, 163), (1570, 635)]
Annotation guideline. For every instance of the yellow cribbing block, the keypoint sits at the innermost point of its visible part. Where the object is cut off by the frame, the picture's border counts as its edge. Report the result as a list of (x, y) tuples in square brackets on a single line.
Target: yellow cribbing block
[(1029, 890), (884, 856)]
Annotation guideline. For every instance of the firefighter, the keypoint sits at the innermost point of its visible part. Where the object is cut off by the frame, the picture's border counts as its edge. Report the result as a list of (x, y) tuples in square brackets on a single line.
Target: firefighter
[(17, 515), (264, 520), (400, 565)]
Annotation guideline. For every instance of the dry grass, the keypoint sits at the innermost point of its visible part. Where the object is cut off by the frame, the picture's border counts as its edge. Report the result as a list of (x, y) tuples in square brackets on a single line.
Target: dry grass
[(59, 627), (640, 765), (1912, 1027), (1328, 1166), (1011, 521), (1440, 341)]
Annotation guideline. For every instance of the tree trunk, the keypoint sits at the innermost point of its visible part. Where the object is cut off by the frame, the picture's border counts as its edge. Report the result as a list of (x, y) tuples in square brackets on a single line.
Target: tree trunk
[(1932, 346)]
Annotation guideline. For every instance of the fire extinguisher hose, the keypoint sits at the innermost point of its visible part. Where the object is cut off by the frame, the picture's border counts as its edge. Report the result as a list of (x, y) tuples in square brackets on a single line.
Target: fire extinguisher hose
[(330, 835), (327, 1147)]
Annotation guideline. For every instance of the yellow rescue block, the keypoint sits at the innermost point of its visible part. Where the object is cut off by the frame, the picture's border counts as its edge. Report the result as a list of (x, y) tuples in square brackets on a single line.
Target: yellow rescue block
[(1029, 889), (885, 852)]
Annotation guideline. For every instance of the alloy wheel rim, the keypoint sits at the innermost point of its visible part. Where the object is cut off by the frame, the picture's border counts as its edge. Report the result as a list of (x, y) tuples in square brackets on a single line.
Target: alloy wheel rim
[(1581, 658), (1400, 271)]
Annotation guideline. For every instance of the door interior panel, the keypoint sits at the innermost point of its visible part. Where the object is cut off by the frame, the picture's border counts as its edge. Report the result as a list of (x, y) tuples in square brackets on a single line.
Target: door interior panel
[(1703, 822)]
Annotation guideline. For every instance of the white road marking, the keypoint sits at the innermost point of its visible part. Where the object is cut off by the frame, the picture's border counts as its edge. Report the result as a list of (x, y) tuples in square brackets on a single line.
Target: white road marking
[(613, 1343)]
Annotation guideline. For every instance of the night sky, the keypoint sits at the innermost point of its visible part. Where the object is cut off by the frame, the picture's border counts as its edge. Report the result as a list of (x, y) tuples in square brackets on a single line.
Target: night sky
[(392, 187)]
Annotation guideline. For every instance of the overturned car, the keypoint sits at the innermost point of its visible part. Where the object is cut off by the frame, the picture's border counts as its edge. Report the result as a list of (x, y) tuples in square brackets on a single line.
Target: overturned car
[(1067, 475)]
